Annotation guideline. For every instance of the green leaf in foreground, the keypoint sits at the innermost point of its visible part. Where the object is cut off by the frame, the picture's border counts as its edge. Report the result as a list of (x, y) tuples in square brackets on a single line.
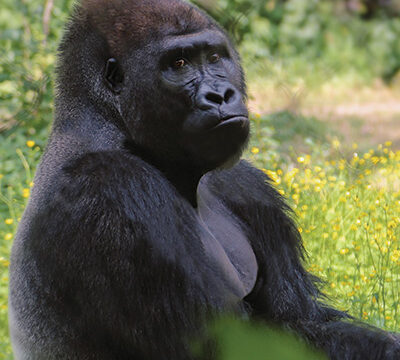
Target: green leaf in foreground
[(239, 340)]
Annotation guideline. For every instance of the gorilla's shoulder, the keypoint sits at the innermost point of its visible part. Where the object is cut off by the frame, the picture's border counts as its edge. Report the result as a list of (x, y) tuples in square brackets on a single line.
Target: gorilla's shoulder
[(245, 184), (111, 179), (111, 166)]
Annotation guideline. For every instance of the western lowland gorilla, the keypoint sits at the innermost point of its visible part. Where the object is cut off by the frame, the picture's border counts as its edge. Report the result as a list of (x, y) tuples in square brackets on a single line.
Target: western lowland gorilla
[(142, 222)]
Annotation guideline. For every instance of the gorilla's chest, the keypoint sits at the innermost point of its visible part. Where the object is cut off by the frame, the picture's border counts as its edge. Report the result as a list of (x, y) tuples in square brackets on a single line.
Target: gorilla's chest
[(226, 245)]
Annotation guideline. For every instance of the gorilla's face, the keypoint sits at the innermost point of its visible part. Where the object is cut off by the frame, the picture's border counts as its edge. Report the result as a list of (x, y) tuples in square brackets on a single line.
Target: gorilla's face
[(186, 98), (200, 71)]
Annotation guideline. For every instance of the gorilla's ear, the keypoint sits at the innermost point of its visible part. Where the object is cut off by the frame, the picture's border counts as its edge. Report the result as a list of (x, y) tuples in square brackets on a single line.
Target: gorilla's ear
[(113, 75)]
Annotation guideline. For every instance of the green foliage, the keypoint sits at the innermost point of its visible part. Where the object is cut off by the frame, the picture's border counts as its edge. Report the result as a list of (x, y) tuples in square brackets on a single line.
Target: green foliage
[(320, 33), (234, 15), (238, 340), (327, 33), (27, 57)]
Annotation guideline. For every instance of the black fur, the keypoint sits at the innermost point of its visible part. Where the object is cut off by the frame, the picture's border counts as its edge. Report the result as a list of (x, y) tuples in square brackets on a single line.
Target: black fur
[(135, 234)]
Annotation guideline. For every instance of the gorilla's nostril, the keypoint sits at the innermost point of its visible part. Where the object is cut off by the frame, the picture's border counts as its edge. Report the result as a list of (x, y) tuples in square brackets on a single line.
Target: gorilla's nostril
[(229, 95), (215, 98)]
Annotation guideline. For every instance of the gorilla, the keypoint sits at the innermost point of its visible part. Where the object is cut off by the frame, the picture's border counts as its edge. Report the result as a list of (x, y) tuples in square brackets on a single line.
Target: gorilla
[(143, 223)]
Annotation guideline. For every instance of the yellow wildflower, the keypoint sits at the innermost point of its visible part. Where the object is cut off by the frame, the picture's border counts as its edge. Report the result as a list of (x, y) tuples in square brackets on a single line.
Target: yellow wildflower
[(336, 143), (25, 193), (8, 236)]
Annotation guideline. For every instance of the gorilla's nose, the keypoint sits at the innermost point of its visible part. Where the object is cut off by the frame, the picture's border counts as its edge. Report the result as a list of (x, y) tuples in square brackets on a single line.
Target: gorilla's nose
[(208, 97)]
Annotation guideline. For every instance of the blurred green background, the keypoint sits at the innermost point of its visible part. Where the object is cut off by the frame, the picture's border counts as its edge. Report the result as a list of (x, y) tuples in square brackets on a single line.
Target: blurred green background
[(324, 91)]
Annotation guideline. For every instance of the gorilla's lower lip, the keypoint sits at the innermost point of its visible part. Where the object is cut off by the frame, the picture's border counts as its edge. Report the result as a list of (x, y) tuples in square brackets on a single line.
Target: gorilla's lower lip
[(236, 119)]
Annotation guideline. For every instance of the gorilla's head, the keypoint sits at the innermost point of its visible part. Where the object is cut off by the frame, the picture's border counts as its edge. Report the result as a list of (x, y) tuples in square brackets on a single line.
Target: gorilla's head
[(164, 70)]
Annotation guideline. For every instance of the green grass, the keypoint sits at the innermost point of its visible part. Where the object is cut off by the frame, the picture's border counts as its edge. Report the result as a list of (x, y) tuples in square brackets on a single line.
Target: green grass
[(347, 203), (18, 159)]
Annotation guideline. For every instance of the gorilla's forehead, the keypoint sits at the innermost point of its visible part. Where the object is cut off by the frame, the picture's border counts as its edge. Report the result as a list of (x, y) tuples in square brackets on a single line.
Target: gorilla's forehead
[(128, 22)]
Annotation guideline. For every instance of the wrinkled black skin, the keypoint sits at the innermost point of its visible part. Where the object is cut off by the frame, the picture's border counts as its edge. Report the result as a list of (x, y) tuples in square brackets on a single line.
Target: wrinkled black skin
[(108, 262)]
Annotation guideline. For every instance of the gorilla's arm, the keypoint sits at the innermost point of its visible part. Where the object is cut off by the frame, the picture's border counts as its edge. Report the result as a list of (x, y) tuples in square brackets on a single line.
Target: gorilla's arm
[(124, 255), (285, 293)]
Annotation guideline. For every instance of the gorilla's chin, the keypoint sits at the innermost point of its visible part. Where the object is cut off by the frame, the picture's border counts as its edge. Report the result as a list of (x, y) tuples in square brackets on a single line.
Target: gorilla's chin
[(221, 146)]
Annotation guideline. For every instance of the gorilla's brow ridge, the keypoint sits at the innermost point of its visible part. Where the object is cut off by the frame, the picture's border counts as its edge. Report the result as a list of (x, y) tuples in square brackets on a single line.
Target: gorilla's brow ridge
[(203, 39)]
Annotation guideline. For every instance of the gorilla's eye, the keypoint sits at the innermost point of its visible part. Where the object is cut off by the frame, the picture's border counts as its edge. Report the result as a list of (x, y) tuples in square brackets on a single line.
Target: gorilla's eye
[(179, 63), (214, 58)]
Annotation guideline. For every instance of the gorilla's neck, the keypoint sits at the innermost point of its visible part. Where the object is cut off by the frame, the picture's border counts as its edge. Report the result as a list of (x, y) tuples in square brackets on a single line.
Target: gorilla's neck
[(182, 174), (186, 180), (96, 129)]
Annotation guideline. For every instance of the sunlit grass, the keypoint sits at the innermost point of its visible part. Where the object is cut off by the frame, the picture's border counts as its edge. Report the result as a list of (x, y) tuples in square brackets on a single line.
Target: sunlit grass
[(17, 165), (348, 211)]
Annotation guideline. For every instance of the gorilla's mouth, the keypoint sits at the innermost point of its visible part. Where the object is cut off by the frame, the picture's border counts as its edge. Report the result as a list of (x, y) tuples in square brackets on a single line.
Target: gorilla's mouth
[(241, 120), (210, 122)]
